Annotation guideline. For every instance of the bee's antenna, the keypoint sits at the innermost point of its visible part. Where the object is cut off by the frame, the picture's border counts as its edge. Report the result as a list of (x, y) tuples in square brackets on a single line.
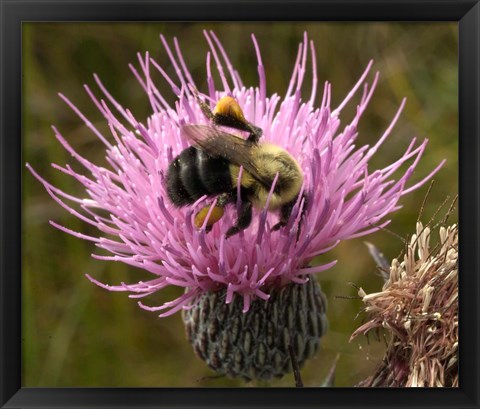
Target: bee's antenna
[(202, 104)]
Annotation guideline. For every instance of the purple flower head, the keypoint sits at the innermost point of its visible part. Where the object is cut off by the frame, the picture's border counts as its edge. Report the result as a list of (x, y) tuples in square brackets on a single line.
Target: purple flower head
[(128, 203)]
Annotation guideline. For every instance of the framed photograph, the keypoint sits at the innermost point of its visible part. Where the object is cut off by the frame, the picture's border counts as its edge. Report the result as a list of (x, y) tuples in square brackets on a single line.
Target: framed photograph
[(243, 206)]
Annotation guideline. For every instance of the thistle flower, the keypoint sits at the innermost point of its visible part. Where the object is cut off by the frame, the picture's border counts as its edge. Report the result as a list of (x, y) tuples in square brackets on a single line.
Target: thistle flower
[(127, 201), (418, 306)]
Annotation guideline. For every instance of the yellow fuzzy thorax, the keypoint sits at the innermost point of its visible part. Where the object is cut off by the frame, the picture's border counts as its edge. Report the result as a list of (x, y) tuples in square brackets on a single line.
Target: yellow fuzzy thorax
[(265, 157)]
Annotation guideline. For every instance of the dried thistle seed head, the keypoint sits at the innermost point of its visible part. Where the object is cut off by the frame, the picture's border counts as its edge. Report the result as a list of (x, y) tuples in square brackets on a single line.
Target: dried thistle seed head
[(419, 307), (255, 344)]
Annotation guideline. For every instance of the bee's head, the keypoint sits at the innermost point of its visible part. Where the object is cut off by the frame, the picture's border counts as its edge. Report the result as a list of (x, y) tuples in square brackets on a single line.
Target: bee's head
[(227, 112), (229, 107)]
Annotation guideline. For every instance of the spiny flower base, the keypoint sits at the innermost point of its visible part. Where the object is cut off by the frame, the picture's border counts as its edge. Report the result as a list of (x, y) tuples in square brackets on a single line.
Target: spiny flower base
[(255, 344)]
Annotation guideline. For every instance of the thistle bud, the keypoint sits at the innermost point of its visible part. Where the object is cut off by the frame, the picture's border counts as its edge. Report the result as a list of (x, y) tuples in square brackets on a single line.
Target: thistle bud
[(255, 344)]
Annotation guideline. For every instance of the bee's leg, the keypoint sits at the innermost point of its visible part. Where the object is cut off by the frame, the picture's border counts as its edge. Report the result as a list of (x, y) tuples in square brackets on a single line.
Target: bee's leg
[(222, 200), (255, 133), (286, 211), (208, 228), (232, 122), (225, 198), (243, 221)]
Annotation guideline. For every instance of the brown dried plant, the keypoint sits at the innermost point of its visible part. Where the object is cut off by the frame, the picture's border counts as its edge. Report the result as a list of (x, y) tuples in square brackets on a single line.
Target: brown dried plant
[(418, 308)]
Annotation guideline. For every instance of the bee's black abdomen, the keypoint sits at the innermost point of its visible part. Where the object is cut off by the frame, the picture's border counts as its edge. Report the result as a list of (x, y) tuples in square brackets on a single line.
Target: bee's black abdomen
[(214, 173), (193, 174), (189, 173), (175, 188)]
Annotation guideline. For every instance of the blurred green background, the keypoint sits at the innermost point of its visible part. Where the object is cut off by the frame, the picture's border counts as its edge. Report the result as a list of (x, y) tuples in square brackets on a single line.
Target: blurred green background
[(76, 334)]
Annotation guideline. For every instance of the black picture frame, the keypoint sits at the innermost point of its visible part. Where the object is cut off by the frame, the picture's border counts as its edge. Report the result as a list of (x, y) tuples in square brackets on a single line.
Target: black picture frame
[(14, 12)]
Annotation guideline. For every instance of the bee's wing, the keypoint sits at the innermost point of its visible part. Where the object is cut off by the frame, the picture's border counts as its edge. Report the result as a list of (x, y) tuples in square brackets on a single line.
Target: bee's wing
[(221, 144)]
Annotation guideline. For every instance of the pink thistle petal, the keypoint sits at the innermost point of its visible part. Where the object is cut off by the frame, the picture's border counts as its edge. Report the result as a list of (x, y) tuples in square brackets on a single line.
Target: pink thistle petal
[(219, 64)]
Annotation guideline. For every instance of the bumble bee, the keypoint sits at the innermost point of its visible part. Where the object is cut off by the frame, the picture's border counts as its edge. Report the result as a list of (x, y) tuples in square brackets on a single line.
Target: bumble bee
[(211, 167)]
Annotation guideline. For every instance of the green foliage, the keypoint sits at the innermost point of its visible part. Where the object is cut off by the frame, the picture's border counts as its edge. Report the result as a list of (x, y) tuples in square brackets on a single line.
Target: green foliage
[(76, 334)]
